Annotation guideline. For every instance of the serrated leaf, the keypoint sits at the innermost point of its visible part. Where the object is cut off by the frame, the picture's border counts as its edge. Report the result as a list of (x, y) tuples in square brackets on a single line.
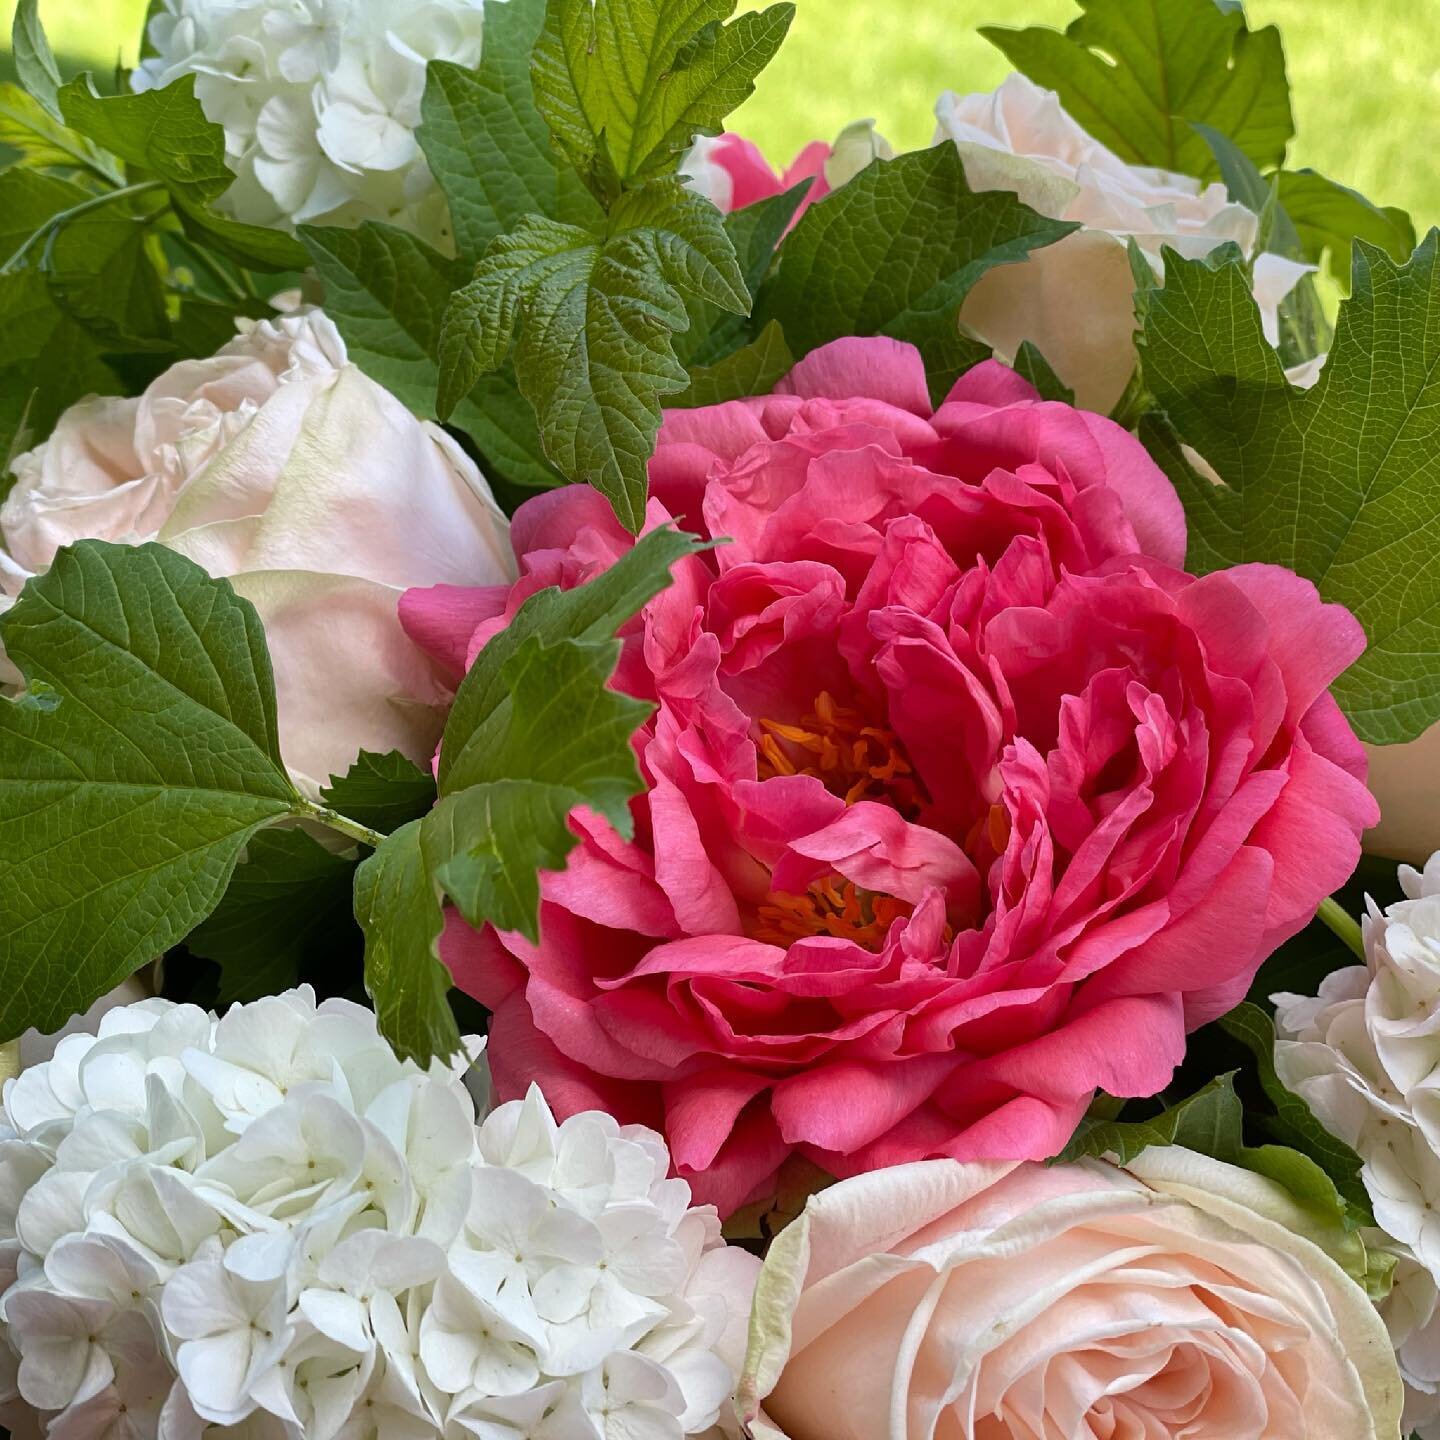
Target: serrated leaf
[(566, 744), (132, 774), (1134, 72), (589, 613), (626, 85), (397, 905), (1305, 329), (34, 63), (1340, 483), (486, 143), (534, 731), (755, 231), (1295, 1124), (1328, 217), (754, 369), (1035, 368), (594, 354), (382, 792), (289, 896), (895, 252), (387, 292)]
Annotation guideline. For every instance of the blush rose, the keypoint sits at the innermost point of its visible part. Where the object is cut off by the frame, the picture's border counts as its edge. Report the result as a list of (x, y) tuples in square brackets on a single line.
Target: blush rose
[(1178, 1298)]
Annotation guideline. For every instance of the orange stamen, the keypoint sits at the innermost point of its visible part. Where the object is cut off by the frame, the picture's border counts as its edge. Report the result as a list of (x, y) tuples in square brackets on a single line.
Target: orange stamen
[(832, 906), (854, 760)]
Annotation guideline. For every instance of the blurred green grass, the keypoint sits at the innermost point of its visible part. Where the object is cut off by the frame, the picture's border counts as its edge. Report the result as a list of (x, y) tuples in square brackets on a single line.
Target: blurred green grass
[(1365, 75)]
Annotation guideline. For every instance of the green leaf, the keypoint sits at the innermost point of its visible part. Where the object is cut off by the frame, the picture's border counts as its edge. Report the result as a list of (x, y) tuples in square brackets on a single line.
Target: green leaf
[(566, 744), (1211, 1122), (33, 61), (1340, 483), (387, 291), (534, 732), (754, 369), (382, 792), (626, 85), (43, 142), (590, 613), (101, 271), (1295, 1124), (133, 772), (594, 354), (1305, 329), (488, 147), (165, 133), (755, 232), (290, 896), (1035, 368), (1134, 72), (398, 907), (1329, 217), (895, 252)]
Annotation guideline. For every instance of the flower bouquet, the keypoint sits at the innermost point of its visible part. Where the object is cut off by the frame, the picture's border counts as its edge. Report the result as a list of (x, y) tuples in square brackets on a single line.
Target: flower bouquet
[(645, 796)]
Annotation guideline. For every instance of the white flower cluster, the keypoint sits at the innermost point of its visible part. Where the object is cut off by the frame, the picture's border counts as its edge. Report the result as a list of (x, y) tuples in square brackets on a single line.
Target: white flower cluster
[(320, 100), (318, 1241), (1365, 1055)]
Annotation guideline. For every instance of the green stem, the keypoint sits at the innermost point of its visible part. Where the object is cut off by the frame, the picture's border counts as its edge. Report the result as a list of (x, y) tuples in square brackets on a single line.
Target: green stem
[(341, 824), (64, 217), (1343, 925), (215, 271)]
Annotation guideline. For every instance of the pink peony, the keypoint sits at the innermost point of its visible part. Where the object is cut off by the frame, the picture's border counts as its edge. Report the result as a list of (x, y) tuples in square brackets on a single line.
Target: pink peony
[(731, 171), (964, 800)]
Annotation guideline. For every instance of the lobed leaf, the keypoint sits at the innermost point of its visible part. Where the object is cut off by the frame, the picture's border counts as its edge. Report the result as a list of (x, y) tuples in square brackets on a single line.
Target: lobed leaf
[(1134, 72), (1340, 483)]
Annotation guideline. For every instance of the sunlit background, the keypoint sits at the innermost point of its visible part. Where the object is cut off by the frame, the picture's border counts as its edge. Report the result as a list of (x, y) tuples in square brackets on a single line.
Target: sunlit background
[(1365, 75)]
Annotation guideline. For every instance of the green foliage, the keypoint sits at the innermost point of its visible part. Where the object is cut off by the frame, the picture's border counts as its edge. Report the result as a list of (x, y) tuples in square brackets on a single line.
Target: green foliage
[(486, 142), (895, 252), (534, 732), (140, 761), (108, 222), (595, 316), (290, 898), (387, 291), (383, 792), (288, 915), (1211, 1122), (753, 369), (1329, 217), (1030, 363), (1293, 1123), (1340, 483), (593, 268), (626, 85), (1133, 72), (34, 64)]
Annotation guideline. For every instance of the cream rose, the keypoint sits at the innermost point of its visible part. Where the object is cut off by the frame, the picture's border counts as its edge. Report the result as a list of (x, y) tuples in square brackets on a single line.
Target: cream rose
[(940, 1301), (1074, 299), (282, 466)]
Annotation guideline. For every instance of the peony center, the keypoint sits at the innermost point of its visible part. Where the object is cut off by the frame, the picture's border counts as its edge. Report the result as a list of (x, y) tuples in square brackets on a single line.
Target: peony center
[(833, 906), (851, 757)]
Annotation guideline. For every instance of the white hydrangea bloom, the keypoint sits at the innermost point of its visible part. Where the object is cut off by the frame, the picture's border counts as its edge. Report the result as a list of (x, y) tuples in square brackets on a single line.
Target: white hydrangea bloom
[(1365, 1055), (320, 100), (271, 1224)]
